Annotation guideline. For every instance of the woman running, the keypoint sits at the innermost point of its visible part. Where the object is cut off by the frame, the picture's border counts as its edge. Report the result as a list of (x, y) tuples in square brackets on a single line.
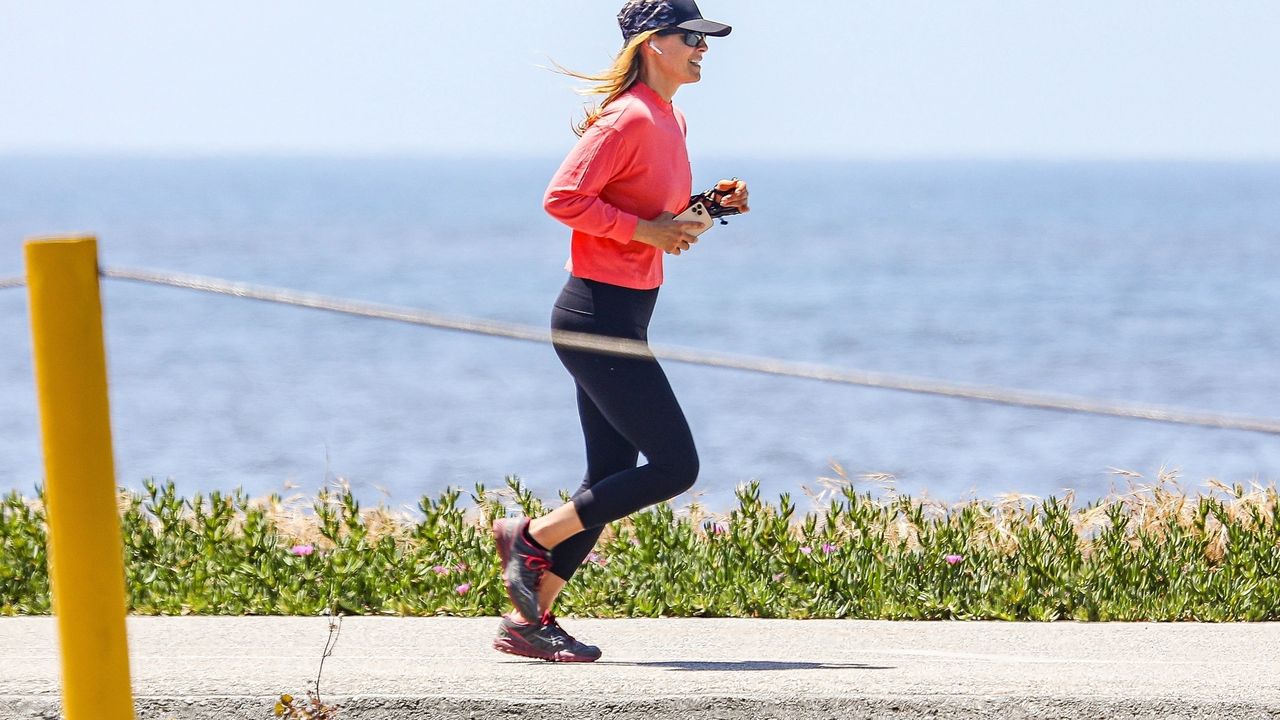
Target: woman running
[(618, 190)]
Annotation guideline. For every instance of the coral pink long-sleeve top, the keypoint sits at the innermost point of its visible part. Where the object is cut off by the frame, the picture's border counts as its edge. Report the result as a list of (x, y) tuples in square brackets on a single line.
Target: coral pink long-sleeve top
[(631, 163)]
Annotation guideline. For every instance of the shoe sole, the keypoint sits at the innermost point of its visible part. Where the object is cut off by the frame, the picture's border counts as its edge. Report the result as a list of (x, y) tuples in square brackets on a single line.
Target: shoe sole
[(516, 646)]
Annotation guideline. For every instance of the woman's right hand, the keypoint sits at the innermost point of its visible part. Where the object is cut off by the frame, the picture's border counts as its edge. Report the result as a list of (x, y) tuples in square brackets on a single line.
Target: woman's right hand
[(666, 234)]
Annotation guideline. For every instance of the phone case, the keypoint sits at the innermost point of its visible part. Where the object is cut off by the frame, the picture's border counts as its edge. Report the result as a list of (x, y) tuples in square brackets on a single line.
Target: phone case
[(697, 212)]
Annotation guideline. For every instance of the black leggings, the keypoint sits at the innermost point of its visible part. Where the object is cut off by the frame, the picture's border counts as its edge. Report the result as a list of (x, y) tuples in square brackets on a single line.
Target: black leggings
[(627, 407)]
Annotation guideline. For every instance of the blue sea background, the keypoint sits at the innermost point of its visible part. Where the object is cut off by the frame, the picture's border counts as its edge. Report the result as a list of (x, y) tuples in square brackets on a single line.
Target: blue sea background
[(1128, 281)]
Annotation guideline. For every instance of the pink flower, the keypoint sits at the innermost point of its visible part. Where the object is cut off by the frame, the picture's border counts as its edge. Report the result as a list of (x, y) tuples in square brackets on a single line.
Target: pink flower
[(806, 549), (440, 570), (461, 567), (597, 558), (953, 559), (464, 588), (302, 550), (635, 541), (828, 548), (778, 577)]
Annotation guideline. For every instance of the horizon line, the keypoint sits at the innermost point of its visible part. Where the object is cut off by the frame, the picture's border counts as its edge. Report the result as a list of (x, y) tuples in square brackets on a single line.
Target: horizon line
[(411, 155)]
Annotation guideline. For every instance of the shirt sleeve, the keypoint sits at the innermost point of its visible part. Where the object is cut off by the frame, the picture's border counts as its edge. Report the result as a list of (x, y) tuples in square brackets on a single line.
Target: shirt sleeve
[(573, 197)]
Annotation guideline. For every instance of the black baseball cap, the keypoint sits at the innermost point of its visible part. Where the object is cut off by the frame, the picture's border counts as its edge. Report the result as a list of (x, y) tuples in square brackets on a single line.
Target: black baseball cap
[(638, 16)]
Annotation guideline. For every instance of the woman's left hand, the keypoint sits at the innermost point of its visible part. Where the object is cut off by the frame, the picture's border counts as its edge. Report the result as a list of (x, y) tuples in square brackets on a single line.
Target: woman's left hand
[(737, 198)]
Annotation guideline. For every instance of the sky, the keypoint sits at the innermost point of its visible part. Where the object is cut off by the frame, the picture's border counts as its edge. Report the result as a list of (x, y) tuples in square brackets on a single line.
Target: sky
[(986, 79)]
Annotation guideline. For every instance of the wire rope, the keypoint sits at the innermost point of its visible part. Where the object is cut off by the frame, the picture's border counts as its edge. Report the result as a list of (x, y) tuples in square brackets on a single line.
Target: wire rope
[(693, 356)]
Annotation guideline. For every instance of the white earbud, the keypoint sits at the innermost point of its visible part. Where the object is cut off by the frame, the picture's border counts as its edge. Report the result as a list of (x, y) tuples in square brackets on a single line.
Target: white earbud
[(654, 47)]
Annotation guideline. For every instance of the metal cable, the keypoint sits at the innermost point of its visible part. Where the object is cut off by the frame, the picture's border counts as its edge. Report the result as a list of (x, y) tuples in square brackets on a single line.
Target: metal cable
[(11, 282), (635, 348)]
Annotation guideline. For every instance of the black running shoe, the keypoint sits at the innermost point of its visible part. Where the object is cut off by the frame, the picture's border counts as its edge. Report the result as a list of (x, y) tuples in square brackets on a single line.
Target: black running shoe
[(544, 640), (522, 564)]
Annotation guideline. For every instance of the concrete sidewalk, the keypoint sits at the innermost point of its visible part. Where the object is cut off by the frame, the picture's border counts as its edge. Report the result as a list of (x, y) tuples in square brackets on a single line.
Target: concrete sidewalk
[(393, 668)]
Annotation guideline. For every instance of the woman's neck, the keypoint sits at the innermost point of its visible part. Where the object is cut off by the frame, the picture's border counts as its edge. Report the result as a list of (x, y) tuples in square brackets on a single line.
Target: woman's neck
[(664, 87)]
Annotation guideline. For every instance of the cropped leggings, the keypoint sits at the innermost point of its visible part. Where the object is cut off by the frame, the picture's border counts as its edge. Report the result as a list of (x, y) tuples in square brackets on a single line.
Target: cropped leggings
[(627, 407)]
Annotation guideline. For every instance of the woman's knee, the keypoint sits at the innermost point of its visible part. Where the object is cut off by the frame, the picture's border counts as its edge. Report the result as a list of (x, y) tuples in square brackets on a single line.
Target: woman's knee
[(681, 470)]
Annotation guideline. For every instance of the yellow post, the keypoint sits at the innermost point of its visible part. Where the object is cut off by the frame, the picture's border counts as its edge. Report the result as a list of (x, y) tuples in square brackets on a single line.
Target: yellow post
[(86, 557)]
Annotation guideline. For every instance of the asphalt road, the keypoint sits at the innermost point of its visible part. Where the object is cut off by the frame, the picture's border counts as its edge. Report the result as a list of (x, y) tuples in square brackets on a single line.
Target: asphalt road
[(384, 668)]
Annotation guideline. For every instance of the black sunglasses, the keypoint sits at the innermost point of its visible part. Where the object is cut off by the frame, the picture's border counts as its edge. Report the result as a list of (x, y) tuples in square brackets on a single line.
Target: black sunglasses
[(691, 38)]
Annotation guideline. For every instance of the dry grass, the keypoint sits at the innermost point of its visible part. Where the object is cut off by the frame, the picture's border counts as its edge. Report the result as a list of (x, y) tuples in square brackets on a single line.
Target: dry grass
[(1150, 506)]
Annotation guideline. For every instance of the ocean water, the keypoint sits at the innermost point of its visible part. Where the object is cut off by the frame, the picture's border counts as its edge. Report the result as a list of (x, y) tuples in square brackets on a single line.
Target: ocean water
[(1143, 282)]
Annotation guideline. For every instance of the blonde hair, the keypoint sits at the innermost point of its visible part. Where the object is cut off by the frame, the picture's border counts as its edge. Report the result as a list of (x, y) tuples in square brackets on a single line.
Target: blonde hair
[(612, 81)]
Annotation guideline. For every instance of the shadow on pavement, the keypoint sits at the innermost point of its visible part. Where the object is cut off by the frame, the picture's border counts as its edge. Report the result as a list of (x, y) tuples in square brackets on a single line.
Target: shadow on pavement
[(747, 665)]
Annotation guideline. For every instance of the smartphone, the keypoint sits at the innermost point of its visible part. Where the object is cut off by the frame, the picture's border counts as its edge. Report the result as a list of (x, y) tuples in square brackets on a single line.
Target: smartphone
[(697, 212)]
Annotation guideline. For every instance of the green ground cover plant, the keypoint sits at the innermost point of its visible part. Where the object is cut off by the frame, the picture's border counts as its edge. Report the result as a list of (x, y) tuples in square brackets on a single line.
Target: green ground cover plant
[(1154, 552)]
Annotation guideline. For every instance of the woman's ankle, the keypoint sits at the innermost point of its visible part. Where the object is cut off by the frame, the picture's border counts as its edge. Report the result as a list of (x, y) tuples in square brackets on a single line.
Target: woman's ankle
[(556, 526), (536, 532)]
